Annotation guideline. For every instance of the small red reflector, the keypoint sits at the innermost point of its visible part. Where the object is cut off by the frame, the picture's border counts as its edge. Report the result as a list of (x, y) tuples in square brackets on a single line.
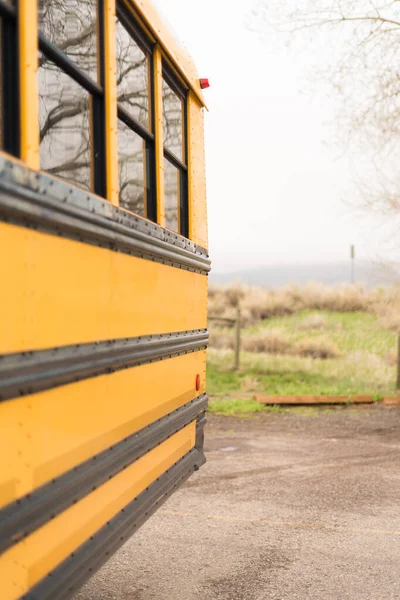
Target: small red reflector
[(204, 83), (197, 382)]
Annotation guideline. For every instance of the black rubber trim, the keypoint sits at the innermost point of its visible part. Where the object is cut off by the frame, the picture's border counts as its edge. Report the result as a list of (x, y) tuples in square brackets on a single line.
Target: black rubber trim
[(98, 158), (20, 518), (71, 574), (125, 116), (10, 85), (29, 372), (37, 200), (174, 84), (201, 421), (7, 10), (128, 20), (184, 185), (174, 160)]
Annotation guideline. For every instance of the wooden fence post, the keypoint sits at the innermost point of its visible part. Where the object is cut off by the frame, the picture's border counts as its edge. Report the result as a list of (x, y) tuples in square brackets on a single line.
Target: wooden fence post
[(237, 342)]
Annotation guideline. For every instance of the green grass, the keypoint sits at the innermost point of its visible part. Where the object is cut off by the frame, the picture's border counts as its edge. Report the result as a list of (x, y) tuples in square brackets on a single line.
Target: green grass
[(362, 368), (352, 332), (242, 406)]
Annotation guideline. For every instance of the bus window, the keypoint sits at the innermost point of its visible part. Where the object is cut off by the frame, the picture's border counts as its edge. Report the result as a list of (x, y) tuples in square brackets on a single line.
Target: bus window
[(64, 125), (71, 101), (171, 195), (132, 77), (175, 155), (131, 170), (172, 120), (71, 26), (136, 144)]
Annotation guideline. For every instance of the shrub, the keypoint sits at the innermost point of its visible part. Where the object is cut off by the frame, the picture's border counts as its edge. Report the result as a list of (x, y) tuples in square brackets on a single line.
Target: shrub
[(314, 322), (316, 348), (258, 303), (219, 339), (270, 341), (264, 304), (391, 320)]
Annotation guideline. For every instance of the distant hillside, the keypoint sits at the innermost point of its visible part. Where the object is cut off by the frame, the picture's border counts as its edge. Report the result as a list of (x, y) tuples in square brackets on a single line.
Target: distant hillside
[(334, 273)]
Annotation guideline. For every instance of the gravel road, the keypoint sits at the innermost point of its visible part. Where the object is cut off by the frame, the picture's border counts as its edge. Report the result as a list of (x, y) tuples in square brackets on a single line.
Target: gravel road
[(289, 506)]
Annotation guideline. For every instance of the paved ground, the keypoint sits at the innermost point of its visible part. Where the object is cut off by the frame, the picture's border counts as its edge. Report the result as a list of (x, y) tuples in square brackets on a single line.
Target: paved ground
[(288, 507)]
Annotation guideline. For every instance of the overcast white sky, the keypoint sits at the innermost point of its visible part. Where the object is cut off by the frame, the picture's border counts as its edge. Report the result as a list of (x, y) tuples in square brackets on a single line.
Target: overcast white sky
[(276, 189)]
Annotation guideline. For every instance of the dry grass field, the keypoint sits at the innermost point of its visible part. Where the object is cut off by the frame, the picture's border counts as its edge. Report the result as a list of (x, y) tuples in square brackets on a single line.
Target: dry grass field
[(303, 340)]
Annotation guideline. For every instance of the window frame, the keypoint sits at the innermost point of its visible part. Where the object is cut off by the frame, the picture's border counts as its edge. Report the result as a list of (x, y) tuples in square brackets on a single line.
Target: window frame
[(127, 21), (180, 165), (10, 87), (97, 98), (101, 140)]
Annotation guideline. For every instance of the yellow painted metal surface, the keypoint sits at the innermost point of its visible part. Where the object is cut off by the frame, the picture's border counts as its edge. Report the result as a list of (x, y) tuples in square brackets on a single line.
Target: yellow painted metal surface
[(45, 434), (28, 52), (23, 565), (197, 174), (57, 291), (177, 55), (62, 292), (159, 149), (111, 100)]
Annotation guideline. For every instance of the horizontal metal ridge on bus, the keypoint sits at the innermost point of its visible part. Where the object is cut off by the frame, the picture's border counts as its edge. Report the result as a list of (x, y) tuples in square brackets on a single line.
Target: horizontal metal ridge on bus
[(25, 515), (63, 582), (36, 200), (29, 372)]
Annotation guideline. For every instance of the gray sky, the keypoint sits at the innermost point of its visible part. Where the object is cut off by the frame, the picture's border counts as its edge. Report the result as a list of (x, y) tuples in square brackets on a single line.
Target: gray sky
[(278, 192)]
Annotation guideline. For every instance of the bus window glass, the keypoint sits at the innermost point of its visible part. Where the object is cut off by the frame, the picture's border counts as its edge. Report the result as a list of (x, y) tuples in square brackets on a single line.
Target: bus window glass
[(71, 26), (172, 120), (132, 77), (171, 195), (131, 170), (65, 141)]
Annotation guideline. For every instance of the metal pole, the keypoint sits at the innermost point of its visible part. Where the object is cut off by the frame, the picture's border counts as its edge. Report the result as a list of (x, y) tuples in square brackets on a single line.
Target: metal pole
[(398, 364), (237, 342), (352, 256)]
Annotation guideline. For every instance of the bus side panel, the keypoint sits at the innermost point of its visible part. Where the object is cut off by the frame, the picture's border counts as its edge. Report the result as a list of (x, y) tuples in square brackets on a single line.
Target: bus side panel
[(197, 179), (26, 563), (61, 291), (43, 435)]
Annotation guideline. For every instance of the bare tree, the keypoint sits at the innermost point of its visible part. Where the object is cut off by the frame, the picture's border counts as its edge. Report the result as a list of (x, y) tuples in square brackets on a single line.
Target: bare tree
[(360, 42)]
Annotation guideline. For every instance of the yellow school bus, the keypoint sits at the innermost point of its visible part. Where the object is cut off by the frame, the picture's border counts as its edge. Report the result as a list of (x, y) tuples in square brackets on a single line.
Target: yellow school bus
[(103, 275)]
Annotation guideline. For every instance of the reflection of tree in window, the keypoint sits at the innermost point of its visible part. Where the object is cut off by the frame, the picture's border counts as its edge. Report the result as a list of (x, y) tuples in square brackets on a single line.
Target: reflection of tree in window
[(132, 77), (133, 98), (64, 116), (132, 191), (172, 120), (171, 195), (71, 26), (64, 125)]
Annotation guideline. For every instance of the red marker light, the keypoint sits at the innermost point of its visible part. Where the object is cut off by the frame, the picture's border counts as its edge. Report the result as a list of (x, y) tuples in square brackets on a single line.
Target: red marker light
[(204, 83), (197, 382)]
